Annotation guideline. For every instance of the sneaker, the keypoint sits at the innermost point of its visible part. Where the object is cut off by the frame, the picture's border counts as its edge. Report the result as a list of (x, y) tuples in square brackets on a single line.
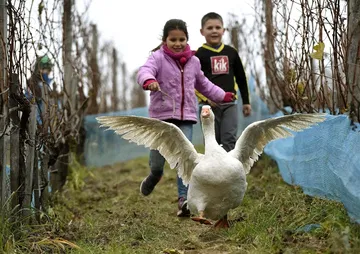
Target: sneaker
[(183, 209), (148, 184)]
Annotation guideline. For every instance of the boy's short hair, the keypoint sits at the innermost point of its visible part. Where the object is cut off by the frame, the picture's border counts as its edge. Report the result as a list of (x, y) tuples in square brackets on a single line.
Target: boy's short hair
[(211, 15)]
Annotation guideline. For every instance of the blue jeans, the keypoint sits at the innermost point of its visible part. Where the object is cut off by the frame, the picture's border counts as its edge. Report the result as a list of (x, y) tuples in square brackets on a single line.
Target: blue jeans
[(157, 161)]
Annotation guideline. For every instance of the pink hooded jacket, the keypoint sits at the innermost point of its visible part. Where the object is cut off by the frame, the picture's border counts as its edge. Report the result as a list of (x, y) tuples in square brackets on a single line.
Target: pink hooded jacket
[(177, 99)]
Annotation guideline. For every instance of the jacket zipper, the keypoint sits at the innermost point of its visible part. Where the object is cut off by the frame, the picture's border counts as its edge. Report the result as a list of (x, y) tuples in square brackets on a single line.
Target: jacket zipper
[(182, 92)]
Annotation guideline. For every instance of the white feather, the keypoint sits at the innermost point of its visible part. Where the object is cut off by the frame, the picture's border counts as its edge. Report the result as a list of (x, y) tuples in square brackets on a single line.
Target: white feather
[(253, 139), (178, 151)]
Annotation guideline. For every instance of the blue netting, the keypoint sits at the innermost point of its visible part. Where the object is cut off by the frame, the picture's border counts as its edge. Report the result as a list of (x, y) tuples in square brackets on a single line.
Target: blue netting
[(106, 147), (324, 161)]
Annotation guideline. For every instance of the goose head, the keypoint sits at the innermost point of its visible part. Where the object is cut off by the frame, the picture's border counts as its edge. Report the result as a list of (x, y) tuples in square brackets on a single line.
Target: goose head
[(207, 116)]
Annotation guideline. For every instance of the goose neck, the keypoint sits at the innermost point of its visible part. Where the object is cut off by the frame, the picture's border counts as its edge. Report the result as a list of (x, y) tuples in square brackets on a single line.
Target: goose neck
[(209, 134)]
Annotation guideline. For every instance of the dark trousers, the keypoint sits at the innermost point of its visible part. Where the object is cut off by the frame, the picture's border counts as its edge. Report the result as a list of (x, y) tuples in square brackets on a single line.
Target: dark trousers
[(226, 124)]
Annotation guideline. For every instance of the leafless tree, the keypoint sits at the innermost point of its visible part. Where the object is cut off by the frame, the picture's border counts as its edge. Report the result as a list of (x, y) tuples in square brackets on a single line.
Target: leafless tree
[(353, 58), (138, 96), (304, 47)]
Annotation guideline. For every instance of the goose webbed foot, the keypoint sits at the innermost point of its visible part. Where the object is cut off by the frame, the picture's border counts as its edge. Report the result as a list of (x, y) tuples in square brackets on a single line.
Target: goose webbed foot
[(222, 223), (201, 219)]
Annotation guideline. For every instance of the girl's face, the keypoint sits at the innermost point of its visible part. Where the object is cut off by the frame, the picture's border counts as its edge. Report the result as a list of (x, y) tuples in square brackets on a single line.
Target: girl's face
[(176, 41)]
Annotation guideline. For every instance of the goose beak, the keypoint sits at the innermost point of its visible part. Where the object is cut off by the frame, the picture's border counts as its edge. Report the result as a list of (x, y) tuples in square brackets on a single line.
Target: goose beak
[(205, 112)]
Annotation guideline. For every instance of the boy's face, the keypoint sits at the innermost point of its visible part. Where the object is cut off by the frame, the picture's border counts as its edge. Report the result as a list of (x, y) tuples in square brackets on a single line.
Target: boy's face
[(213, 30)]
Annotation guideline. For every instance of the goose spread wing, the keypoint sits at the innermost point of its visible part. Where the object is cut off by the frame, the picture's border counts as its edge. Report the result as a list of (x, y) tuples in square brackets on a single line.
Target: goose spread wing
[(253, 139), (165, 137)]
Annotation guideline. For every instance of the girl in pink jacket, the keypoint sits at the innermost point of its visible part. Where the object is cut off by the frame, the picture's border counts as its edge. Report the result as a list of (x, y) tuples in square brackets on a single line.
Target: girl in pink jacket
[(172, 73)]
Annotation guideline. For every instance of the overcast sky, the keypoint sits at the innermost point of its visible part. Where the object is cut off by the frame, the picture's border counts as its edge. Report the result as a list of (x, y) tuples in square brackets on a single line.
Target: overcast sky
[(135, 26)]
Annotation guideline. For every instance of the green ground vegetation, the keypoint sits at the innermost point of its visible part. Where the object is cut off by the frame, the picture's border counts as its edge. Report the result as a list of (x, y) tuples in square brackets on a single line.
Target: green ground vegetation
[(102, 211)]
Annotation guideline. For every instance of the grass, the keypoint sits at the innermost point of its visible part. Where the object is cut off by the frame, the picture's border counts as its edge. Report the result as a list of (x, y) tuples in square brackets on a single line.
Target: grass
[(108, 215), (19, 235), (101, 211)]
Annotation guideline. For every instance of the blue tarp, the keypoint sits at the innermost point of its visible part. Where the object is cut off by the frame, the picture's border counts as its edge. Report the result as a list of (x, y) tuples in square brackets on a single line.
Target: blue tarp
[(105, 147), (324, 161)]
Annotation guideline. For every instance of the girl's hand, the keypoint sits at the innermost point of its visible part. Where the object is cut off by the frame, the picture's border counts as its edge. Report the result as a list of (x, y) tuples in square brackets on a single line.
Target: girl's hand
[(154, 86)]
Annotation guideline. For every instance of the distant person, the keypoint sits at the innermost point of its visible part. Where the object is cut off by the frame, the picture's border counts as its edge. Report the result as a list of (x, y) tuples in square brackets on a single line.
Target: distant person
[(37, 82), (172, 73), (221, 64)]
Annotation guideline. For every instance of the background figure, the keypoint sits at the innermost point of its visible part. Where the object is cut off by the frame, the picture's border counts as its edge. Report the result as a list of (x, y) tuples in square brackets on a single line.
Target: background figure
[(39, 78), (172, 73), (222, 65)]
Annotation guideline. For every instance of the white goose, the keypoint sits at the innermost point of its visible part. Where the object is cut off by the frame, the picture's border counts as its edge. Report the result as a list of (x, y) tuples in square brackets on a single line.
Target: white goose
[(217, 179)]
